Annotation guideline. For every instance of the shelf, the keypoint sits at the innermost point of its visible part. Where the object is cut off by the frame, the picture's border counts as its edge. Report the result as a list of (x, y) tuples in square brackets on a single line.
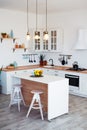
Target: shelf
[(19, 49), (9, 39)]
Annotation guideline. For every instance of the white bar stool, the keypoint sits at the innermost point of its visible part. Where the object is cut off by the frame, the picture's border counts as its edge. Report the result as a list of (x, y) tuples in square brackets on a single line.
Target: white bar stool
[(16, 96), (37, 105)]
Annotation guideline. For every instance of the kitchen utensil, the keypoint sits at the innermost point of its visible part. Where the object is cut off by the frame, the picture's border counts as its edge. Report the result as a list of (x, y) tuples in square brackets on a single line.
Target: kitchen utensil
[(34, 59), (66, 62), (29, 59), (63, 61)]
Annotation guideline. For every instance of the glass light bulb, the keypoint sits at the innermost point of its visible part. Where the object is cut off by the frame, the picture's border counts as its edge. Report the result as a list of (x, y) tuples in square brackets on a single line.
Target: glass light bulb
[(46, 36), (28, 36), (36, 35)]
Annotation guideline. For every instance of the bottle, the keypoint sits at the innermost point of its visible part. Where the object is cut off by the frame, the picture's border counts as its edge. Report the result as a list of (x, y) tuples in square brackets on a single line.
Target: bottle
[(15, 64), (16, 45), (11, 34)]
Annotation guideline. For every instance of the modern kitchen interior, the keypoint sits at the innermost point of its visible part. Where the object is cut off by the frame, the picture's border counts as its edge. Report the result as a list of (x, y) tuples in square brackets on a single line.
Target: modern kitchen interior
[(43, 48)]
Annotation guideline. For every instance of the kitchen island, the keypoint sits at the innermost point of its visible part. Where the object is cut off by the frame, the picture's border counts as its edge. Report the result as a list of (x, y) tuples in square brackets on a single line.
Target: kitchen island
[(56, 92)]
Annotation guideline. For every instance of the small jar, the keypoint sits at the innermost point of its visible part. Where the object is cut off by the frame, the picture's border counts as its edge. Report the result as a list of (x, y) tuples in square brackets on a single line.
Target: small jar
[(16, 45), (19, 46), (23, 45)]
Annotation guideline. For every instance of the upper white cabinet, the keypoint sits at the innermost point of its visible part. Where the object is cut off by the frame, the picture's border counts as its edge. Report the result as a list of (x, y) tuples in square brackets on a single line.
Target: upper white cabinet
[(55, 39), (36, 44), (54, 43)]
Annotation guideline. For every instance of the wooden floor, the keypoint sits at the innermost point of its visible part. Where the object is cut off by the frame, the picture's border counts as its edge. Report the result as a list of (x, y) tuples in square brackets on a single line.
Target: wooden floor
[(11, 119)]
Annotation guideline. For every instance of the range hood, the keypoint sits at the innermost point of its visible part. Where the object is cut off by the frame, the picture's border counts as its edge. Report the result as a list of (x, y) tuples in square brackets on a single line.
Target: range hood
[(81, 43)]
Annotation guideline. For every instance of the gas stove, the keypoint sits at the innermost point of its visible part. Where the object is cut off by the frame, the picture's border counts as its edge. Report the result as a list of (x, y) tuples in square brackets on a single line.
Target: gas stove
[(79, 69)]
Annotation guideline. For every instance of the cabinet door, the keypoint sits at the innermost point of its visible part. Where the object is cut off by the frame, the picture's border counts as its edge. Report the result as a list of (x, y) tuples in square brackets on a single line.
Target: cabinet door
[(56, 39), (45, 44), (54, 43), (53, 40), (62, 73), (56, 72), (37, 42), (4, 82), (83, 84)]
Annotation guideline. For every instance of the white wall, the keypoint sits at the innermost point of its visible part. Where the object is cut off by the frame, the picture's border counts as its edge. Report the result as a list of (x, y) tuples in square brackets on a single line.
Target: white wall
[(70, 22), (17, 21)]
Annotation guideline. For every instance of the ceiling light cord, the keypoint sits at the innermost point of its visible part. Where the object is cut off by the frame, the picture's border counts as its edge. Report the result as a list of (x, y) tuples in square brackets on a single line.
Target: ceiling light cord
[(28, 34), (36, 32), (46, 15), (36, 14), (27, 19), (46, 36)]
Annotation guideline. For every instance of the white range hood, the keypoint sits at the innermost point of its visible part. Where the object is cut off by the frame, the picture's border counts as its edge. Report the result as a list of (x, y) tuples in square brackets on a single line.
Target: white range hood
[(81, 43)]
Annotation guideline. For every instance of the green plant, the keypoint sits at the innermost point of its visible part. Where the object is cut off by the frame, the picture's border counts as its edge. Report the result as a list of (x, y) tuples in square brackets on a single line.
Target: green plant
[(3, 33), (42, 57)]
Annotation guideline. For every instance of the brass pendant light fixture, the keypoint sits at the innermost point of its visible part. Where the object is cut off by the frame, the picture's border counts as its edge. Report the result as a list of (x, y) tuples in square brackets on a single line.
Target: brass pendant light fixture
[(28, 34), (46, 36), (36, 32)]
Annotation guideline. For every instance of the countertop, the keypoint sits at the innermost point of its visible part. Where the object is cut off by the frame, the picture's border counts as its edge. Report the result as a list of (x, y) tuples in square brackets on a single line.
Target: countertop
[(44, 79), (64, 68)]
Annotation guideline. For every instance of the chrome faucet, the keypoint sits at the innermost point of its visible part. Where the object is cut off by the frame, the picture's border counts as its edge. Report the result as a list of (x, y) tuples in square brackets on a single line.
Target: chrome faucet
[(52, 62)]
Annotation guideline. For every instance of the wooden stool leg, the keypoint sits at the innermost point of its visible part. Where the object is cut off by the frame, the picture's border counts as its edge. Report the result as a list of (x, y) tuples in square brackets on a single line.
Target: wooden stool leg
[(31, 105), (41, 112), (19, 102), (12, 98), (22, 98)]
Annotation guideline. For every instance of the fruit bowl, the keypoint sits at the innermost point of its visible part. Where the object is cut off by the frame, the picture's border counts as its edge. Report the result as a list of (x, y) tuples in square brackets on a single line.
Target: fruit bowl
[(38, 73)]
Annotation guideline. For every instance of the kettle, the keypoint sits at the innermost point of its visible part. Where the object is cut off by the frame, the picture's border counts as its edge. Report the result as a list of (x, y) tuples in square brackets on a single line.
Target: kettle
[(75, 65)]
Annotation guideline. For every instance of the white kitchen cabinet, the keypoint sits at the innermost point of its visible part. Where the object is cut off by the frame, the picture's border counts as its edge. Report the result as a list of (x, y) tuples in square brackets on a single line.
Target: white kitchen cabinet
[(37, 43), (7, 79), (82, 89), (83, 84), (56, 39), (54, 43), (62, 73)]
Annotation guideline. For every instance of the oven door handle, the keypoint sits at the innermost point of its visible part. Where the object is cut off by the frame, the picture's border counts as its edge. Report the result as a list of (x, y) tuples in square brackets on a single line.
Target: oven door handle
[(71, 76)]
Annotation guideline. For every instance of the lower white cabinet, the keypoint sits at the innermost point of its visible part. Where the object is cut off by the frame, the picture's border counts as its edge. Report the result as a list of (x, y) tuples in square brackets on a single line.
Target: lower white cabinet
[(82, 89), (7, 79), (83, 84)]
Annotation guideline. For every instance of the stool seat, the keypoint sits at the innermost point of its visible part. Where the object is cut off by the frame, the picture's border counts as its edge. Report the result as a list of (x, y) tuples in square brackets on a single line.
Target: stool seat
[(16, 95), (36, 102), (36, 91)]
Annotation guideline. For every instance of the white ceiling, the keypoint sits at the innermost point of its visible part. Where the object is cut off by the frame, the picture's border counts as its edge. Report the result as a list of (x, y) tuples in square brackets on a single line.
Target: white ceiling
[(53, 5)]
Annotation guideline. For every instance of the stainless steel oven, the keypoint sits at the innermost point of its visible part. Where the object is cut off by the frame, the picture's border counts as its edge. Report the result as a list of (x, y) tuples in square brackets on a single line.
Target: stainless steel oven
[(73, 80)]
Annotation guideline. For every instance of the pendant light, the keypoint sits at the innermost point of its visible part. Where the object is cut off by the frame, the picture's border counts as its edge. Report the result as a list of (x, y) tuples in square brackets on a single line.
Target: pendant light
[(46, 36), (36, 32), (28, 34)]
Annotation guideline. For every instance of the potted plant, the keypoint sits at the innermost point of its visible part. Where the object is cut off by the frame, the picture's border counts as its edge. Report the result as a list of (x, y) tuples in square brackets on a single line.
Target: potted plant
[(42, 61), (4, 35)]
